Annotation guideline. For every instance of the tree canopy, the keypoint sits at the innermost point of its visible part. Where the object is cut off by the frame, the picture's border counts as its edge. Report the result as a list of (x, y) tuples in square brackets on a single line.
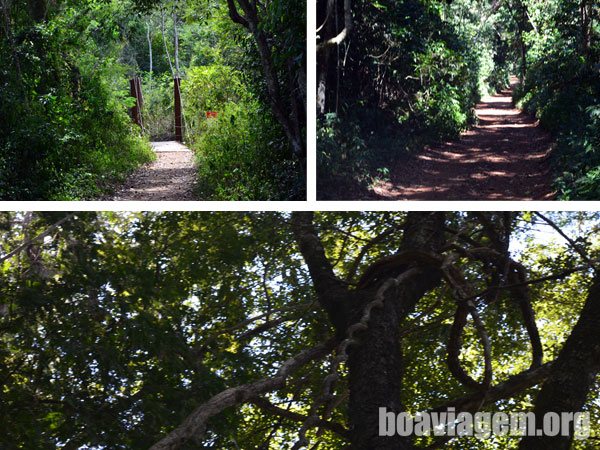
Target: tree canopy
[(275, 330)]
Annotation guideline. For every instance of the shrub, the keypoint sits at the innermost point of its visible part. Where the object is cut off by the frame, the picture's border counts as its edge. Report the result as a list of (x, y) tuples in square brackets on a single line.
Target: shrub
[(65, 132), (562, 90), (209, 88), (342, 156), (242, 155)]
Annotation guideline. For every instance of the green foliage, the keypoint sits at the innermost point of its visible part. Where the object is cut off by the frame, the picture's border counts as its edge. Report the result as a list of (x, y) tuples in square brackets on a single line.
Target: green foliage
[(239, 156), (117, 325), (241, 153), (63, 107), (578, 154), (114, 342), (424, 63), (563, 89), (342, 153), (410, 76), (65, 133), (449, 90), (209, 89), (158, 114)]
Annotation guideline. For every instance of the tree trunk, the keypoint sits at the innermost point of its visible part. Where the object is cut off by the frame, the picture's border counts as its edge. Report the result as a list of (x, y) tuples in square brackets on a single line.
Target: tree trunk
[(176, 42), (522, 26), (585, 10), (573, 374), (375, 365), (288, 122), (149, 45), (162, 29), (324, 12), (322, 67), (277, 104), (7, 25)]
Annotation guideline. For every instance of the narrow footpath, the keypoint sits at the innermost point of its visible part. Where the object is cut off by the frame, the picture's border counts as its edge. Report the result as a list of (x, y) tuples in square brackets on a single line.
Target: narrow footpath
[(170, 177), (504, 157)]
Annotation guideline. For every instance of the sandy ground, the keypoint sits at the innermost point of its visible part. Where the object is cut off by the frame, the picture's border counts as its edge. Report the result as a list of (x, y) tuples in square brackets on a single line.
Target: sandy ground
[(503, 158), (170, 177)]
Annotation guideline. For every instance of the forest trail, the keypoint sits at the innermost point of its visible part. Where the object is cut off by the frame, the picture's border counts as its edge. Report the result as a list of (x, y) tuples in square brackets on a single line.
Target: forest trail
[(504, 157), (170, 177)]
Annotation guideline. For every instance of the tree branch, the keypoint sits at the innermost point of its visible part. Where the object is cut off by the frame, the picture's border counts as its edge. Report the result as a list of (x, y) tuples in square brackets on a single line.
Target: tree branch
[(509, 388), (321, 270), (235, 15), (337, 40), (365, 249), (195, 424), (43, 234), (571, 242)]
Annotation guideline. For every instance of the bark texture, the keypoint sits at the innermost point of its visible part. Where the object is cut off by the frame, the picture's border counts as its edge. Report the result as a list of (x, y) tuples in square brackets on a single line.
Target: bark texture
[(375, 365)]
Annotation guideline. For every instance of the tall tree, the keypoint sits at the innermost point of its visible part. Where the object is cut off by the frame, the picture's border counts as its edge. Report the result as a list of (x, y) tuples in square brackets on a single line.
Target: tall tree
[(290, 329), (286, 96)]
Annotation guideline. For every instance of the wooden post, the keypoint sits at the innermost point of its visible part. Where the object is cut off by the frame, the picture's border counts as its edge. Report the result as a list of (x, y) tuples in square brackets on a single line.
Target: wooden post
[(177, 95), (140, 97), (135, 90)]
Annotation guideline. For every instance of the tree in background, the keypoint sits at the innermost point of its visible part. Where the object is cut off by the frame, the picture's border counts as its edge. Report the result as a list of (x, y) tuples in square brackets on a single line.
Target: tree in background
[(271, 330)]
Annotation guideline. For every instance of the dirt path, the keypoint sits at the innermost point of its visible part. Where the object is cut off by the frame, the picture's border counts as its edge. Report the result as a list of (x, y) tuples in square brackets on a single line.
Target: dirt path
[(170, 177), (503, 158)]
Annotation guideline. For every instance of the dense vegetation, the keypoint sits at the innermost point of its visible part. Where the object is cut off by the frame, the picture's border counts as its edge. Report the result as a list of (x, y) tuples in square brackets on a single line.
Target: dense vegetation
[(64, 95), (562, 87), (394, 75), (116, 327), (63, 98)]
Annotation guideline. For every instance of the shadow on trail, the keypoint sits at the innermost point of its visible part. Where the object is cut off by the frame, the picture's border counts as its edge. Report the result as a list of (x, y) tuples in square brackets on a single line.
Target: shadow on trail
[(504, 157)]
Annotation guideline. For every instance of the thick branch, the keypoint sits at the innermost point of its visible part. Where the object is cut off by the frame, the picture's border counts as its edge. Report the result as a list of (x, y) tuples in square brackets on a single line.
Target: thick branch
[(507, 389), (515, 276), (195, 423), (310, 245), (235, 15), (365, 249), (573, 374), (337, 40)]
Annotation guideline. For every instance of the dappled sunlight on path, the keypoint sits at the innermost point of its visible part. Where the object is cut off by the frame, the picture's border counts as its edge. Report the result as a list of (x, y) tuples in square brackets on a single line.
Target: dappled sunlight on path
[(504, 157)]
